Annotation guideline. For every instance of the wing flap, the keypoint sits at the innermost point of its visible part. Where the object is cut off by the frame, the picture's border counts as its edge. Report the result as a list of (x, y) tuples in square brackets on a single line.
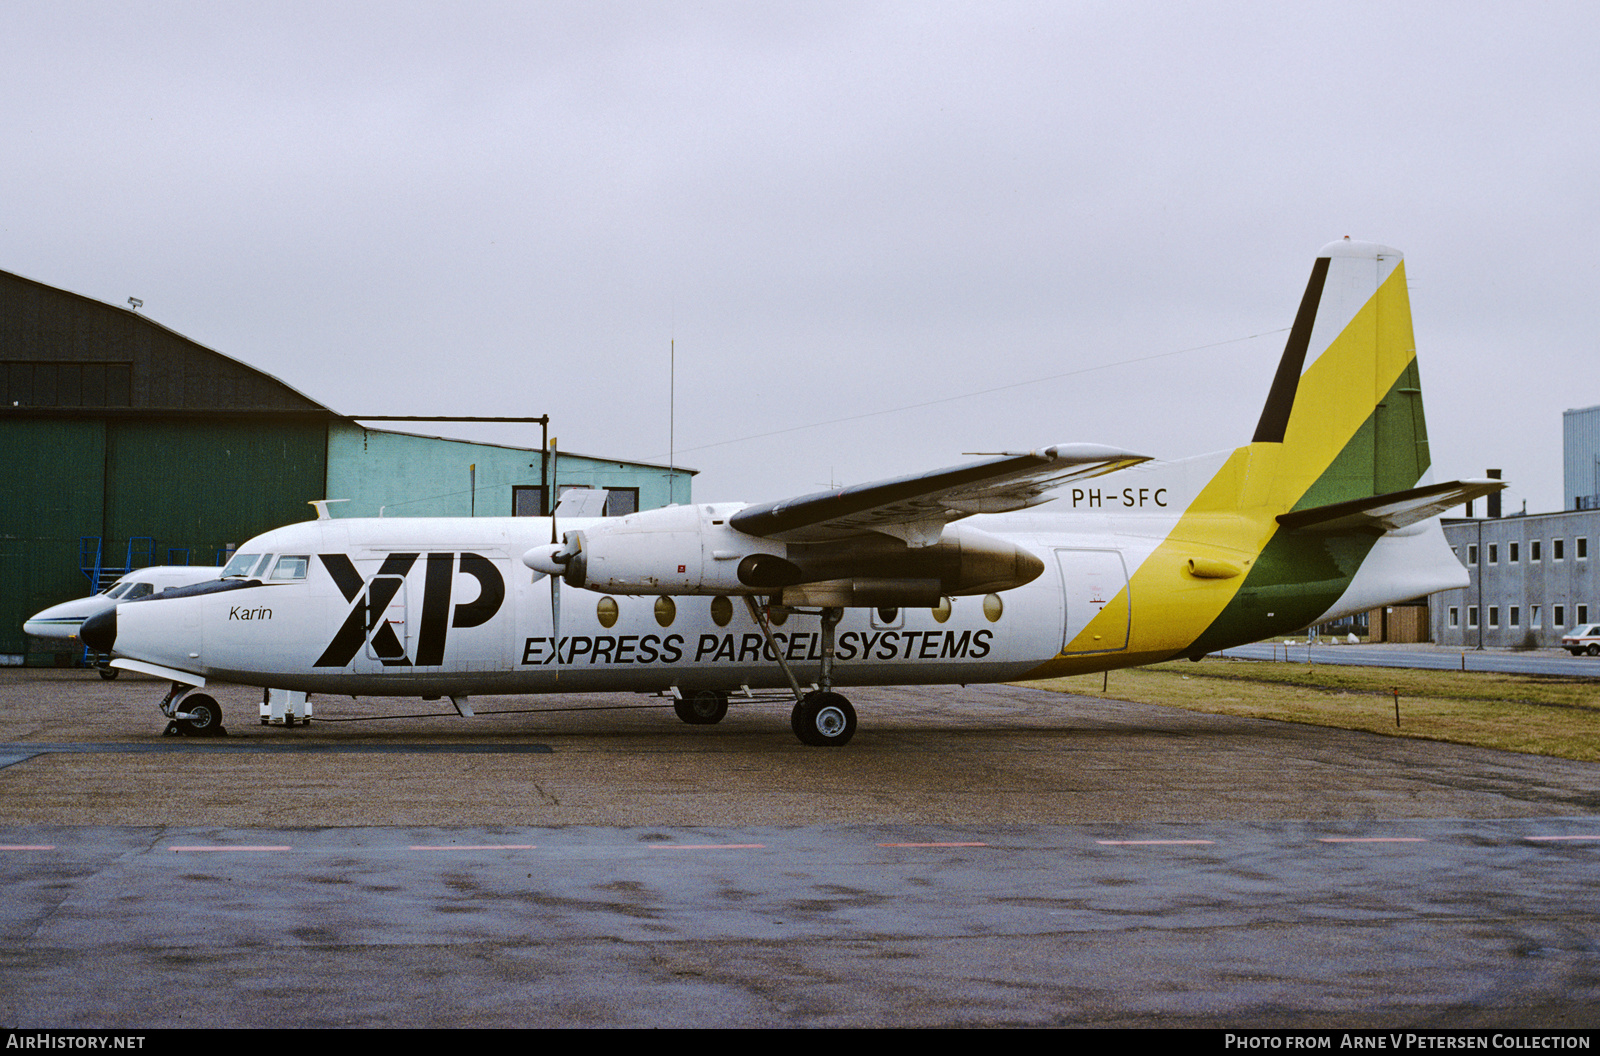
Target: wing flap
[(915, 508)]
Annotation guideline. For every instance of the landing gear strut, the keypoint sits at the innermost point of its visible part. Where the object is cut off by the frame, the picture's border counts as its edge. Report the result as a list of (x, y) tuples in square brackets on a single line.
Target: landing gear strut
[(821, 718)]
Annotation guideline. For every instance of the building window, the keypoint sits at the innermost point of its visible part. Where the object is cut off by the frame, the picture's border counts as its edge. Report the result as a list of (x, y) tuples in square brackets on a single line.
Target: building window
[(1560, 614), (621, 501), (1455, 616), (1494, 616), (1583, 614), (1516, 616), (1511, 553), (1472, 553), (1533, 550), (1558, 549), (1494, 553), (526, 501), (1472, 616), (1533, 618), (1583, 547)]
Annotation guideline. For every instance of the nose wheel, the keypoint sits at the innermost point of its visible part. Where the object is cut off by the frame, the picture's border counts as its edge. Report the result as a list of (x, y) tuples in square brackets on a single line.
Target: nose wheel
[(192, 714)]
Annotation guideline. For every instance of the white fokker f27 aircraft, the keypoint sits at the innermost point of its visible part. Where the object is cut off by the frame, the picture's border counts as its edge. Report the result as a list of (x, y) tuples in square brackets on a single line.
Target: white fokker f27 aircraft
[(947, 577)]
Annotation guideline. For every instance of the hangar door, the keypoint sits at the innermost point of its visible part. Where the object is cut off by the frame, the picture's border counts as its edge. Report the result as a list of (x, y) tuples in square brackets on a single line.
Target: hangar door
[(1095, 586)]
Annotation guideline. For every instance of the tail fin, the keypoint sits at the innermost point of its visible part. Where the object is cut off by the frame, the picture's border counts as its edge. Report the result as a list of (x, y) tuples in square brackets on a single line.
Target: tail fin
[(1346, 403)]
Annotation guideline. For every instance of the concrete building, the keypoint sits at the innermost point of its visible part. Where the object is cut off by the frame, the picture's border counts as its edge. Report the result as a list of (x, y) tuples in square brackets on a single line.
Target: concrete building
[(1533, 580), (127, 444)]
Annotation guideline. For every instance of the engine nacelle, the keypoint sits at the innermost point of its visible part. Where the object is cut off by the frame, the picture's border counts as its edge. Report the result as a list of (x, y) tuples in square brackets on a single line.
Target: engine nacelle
[(692, 550), (676, 550)]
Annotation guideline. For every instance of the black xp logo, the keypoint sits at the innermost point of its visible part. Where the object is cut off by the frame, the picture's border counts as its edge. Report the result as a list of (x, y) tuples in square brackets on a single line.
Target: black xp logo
[(367, 625)]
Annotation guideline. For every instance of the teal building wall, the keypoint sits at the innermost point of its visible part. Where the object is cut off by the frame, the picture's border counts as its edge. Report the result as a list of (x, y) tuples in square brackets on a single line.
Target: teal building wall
[(393, 474)]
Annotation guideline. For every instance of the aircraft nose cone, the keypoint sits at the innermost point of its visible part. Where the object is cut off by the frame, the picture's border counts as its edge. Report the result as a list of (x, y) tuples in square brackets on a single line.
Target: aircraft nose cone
[(99, 632)]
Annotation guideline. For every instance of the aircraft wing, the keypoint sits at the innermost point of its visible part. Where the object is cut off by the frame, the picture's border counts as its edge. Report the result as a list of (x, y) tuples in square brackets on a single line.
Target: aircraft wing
[(916, 508), (1397, 509)]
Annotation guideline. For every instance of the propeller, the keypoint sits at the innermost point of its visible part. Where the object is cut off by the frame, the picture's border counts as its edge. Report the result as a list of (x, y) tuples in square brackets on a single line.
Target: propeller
[(555, 576)]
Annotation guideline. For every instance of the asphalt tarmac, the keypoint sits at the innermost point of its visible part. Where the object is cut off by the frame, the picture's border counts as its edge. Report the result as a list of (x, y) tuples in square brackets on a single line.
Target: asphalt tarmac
[(980, 856)]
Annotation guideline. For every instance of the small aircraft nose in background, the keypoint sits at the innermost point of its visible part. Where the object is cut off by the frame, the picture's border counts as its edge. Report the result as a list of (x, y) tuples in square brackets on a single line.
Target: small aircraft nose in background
[(64, 622)]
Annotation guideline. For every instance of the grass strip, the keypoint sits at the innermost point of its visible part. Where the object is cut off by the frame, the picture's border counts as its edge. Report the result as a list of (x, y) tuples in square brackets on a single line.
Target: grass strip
[(1520, 713)]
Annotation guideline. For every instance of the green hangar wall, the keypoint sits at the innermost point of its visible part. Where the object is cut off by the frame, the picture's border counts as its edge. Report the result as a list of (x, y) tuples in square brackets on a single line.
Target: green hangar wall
[(114, 428)]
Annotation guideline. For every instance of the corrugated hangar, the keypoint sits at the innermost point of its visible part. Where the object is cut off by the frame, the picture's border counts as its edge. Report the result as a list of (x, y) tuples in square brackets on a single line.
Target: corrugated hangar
[(128, 444)]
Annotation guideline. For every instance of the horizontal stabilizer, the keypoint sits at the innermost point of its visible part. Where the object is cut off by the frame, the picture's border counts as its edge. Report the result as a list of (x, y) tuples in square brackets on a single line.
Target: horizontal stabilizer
[(1397, 509)]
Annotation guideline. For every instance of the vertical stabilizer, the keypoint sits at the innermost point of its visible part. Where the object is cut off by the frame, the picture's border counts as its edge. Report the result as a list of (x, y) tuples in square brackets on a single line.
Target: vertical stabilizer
[(1350, 419)]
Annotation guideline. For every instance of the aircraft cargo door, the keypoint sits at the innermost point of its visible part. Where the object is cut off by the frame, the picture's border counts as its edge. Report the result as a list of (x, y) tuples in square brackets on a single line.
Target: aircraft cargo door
[(1095, 586)]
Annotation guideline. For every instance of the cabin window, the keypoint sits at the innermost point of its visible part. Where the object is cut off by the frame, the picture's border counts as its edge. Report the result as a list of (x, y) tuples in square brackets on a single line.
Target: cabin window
[(606, 611), (993, 607), (666, 611), (941, 611), (721, 611)]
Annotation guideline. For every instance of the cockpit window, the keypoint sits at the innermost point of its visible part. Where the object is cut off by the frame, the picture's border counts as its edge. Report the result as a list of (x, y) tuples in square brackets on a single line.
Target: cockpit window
[(139, 590), (291, 566), (116, 590), (240, 565)]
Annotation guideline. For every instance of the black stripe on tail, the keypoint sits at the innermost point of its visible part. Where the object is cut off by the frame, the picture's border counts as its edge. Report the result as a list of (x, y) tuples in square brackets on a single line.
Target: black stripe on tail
[(1280, 401)]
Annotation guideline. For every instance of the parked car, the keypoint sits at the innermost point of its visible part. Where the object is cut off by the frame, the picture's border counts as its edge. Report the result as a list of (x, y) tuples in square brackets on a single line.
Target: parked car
[(1585, 639)]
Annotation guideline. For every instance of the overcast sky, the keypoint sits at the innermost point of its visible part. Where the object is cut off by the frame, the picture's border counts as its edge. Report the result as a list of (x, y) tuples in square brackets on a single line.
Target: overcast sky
[(880, 234)]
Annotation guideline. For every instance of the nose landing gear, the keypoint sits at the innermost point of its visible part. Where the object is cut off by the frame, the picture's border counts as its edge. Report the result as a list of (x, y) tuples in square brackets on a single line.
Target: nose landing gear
[(193, 714)]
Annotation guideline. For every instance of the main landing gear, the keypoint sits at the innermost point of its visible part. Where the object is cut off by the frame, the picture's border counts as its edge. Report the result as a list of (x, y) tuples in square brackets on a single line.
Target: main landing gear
[(193, 714), (703, 707), (821, 718)]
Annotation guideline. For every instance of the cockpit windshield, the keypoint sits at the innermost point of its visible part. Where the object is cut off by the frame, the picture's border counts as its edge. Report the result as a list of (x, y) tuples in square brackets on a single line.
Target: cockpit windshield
[(240, 565)]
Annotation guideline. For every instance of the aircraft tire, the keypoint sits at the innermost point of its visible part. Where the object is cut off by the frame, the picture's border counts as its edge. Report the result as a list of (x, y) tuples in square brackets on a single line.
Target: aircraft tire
[(823, 720), (108, 673), (205, 716), (704, 707)]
